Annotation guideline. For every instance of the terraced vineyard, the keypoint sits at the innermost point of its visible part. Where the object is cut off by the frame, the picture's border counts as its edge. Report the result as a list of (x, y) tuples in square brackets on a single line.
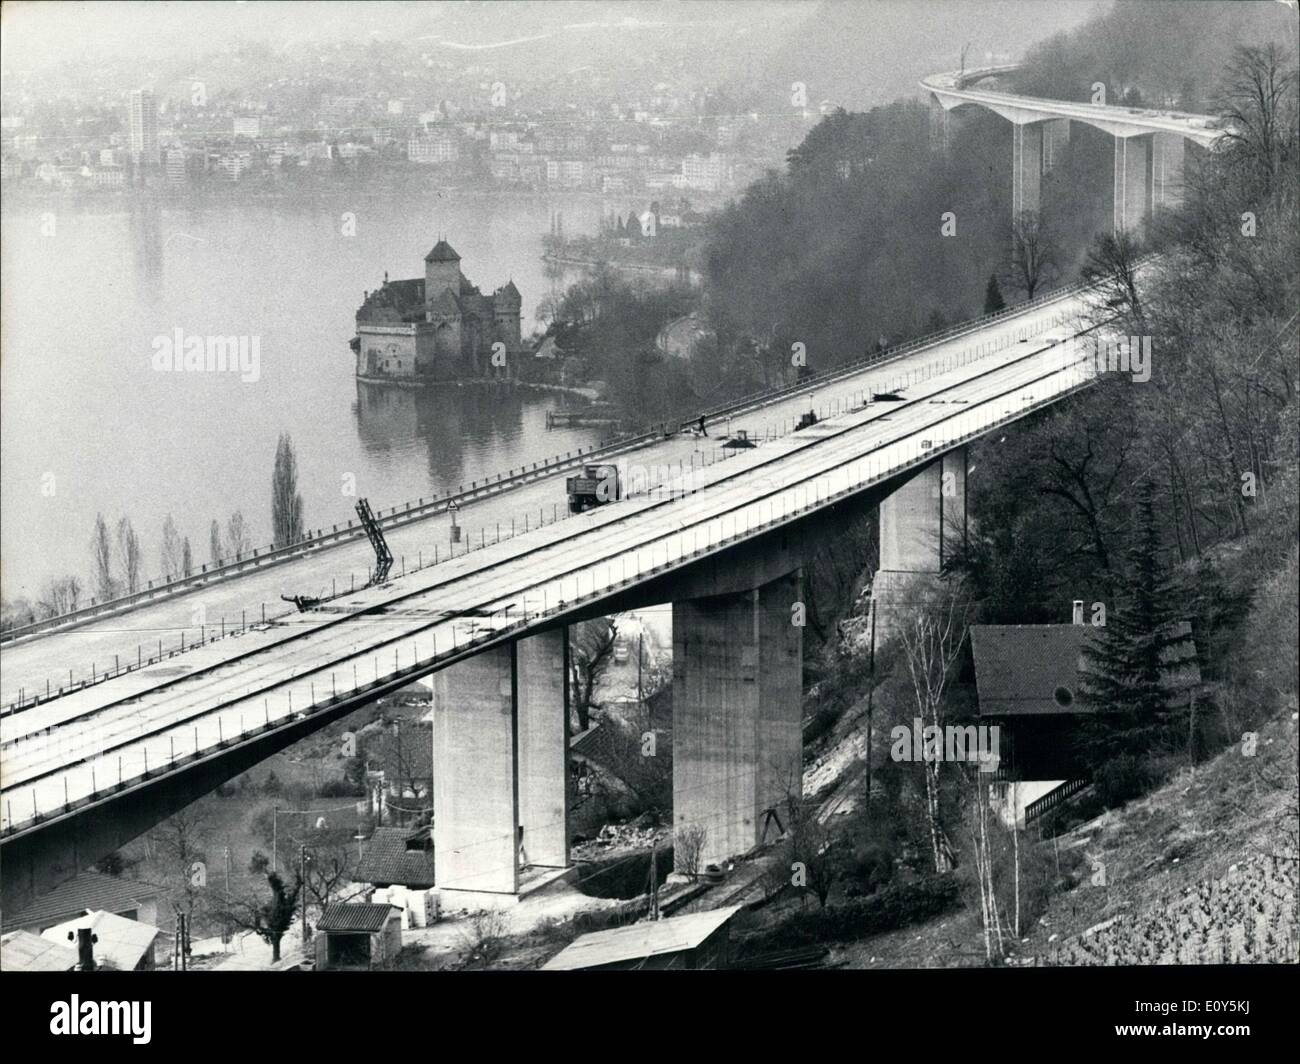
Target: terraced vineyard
[(1247, 916)]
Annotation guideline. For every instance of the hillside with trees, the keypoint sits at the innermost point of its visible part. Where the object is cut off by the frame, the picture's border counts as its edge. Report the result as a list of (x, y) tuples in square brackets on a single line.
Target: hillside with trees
[(1169, 500)]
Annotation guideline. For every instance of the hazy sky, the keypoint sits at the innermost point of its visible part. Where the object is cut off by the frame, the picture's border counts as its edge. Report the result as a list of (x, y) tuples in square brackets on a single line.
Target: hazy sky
[(38, 32)]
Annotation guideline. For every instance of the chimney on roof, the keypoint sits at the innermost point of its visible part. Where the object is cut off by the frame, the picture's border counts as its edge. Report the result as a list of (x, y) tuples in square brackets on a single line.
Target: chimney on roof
[(86, 939)]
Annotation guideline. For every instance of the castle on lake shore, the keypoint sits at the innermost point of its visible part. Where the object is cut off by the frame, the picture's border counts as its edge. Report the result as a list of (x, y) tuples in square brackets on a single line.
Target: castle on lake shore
[(438, 327)]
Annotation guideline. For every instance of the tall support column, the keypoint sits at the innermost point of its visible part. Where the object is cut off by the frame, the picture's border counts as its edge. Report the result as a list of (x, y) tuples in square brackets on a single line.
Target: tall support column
[(1026, 167), (938, 127), (475, 793), (1132, 181), (737, 692), (923, 524), (1168, 150), (500, 762), (1056, 138), (542, 678)]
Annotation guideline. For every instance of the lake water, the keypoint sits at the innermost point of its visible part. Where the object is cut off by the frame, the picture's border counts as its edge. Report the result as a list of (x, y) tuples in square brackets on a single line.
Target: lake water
[(90, 426)]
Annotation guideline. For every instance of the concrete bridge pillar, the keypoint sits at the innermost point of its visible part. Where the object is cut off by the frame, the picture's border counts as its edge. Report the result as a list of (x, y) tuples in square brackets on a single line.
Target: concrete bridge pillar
[(1132, 182), (1026, 166), (938, 127), (1056, 138), (1168, 150), (500, 763), (737, 694), (922, 525), (542, 671)]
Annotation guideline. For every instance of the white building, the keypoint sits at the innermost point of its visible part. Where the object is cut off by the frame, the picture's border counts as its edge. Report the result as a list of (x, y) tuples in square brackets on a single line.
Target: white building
[(144, 127), (432, 148), (707, 173)]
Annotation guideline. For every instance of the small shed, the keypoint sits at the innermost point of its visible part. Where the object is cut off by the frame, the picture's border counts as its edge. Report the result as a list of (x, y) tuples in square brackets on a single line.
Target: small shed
[(700, 940), (358, 936)]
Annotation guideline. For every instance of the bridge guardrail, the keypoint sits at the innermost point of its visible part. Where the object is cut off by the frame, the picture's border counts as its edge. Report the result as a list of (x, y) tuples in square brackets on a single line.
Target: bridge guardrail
[(411, 511), (828, 487)]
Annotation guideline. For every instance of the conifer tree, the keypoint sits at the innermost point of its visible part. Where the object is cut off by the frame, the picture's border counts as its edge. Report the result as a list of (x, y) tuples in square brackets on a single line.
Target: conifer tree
[(1126, 675), (993, 301)]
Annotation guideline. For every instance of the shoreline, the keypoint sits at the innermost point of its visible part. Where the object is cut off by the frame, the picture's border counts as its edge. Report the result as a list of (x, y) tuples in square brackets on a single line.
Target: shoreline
[(587, 264), (416, 384)]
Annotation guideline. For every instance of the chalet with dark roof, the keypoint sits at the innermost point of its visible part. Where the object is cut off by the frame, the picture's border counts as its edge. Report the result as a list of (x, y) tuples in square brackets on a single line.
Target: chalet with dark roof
[(1030, 679)]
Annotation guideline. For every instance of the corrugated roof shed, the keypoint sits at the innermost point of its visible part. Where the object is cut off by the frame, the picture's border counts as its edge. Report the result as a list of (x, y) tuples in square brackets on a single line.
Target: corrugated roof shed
[(83, 893), (358, 917), (22, 951), (639, 941)]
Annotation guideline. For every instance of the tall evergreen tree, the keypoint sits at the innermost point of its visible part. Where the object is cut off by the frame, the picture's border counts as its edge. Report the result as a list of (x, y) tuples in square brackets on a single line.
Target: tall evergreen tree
[(1126, 675), (286, 503), (993, 301)]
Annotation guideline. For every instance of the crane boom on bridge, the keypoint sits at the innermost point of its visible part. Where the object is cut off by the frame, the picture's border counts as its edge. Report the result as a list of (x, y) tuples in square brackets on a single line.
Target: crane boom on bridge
[(383, 556)]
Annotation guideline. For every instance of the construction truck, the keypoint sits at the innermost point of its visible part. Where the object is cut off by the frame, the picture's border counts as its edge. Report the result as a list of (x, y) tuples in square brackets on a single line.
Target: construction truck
[(596, 485)]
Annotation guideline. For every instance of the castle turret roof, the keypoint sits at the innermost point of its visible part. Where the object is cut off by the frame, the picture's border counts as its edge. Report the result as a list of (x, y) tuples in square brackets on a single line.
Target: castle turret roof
[(442, 252), (509, 295)]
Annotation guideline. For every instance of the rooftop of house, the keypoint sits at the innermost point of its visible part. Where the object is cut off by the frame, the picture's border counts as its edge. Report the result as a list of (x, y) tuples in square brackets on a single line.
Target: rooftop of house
[(398, 856), (23, 951), (120, 943), (640, 941), (83, 893), (1035, 669)]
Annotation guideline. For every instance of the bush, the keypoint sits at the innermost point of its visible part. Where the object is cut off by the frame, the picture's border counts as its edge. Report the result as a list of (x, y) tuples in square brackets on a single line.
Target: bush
[(888, 909), (1121, 779), (867, 867), (340, 789)]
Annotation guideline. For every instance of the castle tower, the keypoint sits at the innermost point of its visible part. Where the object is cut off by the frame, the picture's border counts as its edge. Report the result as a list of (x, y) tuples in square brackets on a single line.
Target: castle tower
[(506, 305), (441, 271)]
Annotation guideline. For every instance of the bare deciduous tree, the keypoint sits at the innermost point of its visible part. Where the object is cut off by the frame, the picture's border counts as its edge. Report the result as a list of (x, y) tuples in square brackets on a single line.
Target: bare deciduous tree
[(238, 539), (171, 554), (101, 551), (1112, 265), (688, 849), (216, 549), (268, 918), (931, 634), (1033, 254), (976, 816), (129, 556), (60, 595), (1258, 101), (179, 841), (591, 650)]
